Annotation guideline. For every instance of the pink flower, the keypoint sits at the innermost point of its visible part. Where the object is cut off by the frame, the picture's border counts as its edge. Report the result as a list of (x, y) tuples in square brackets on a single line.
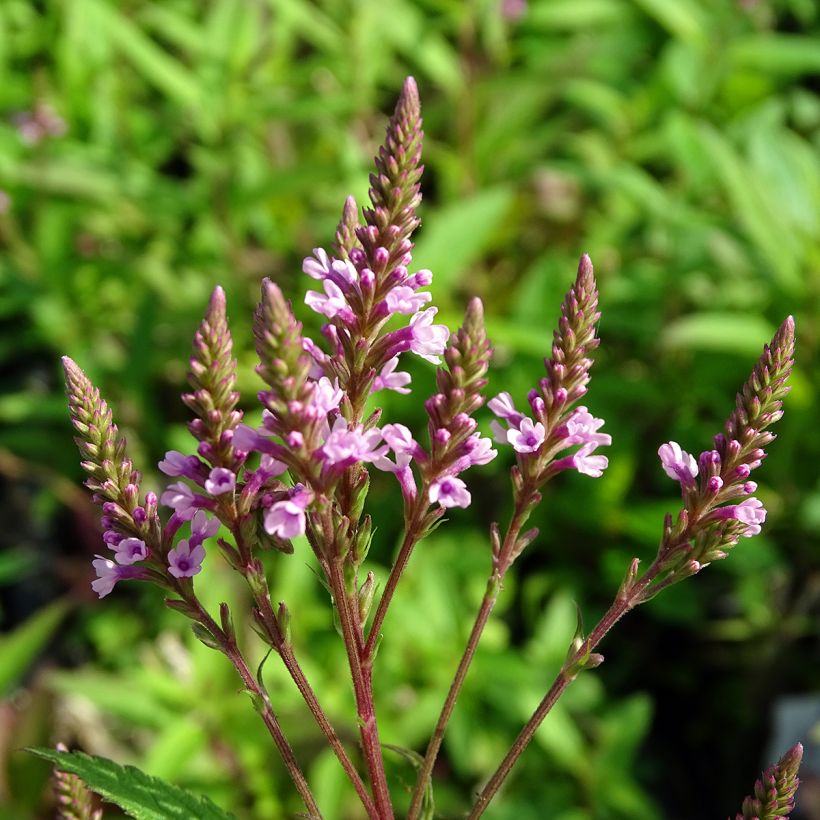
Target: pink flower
[(175, 464), (750, 512), (130, 550), (403, 299), (428, 340), (220, 481), (347, 446), (203, 526), (330, 305), (480, 450), (318, 265), (581, 429), (181, 499), (108, 573), (185, 561), (286, 518), (588, 464), (503, 407), (401, 442), (528, 437), (677, 463), (326, 395), (450, 492), (389, 380)]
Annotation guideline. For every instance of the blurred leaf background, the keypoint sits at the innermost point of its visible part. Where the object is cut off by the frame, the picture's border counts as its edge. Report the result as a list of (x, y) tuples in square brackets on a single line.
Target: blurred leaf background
[(150, 150)]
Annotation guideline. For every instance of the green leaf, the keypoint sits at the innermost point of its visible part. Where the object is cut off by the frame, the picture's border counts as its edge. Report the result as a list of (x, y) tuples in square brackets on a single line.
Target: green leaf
[(20, 647), (727, 332), (777, 53), (460, 233), (681, 19), (136, 793)]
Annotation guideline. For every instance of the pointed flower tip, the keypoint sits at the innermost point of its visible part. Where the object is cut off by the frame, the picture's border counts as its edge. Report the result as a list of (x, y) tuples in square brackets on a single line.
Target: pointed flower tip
[(475, 309), (409, 101), (350, 206), (791, 760), (585, 269)]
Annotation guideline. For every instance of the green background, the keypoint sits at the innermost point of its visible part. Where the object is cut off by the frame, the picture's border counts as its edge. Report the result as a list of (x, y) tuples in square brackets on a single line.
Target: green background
[(213, 143)]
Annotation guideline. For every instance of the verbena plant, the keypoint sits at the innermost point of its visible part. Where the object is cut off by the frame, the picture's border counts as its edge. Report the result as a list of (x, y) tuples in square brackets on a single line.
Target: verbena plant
[(306, 471)]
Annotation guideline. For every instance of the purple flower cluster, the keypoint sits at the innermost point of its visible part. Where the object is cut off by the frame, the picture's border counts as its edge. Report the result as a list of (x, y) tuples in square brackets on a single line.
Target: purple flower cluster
[(529, 438), (717, 485)]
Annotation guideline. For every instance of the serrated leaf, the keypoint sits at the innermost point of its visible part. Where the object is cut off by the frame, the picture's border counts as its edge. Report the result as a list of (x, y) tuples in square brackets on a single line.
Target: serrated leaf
[(139, 795)]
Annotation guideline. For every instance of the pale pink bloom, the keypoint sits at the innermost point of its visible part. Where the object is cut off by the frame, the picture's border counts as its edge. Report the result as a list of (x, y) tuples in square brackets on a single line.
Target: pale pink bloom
[(504, 407), (333, 303), (401, 442), (345, 269), (429, 341), (326, 395), (108, 573), (750, 512), (677, 463), (403, 299), (481, 451), (203, 526), (343, 445), (220, 481), (588, 464), (130, 550), (286, 518), (528, 437), (175, 464), (390, 380), (318, 265), (449, 492), (185, 561), (581, 429), (181, 499), (271, 465)]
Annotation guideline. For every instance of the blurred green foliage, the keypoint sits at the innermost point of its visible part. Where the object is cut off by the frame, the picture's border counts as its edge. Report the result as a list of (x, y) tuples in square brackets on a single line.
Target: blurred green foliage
[(214, 142)]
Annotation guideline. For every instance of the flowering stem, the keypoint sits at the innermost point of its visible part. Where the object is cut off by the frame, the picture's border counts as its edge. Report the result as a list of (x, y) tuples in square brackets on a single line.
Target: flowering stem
[(284, 649), (363, 693), (286, 653), (231, 651), (411, 537), (620, 606), (501, 563)]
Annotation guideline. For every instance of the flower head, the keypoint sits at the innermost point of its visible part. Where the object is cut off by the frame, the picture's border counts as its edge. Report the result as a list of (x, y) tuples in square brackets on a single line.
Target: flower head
[(527, 437), (109, 573), (449, 492), (388, 379), (220, 481), (677, 463), (344, 446), (185, 560), (428, 340), (130, 550)]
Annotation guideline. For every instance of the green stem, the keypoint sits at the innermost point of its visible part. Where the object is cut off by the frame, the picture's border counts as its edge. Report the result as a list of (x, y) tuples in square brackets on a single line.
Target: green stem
[(232, 652), (616, 611), (501, 563), (411, 537), (363, 693)]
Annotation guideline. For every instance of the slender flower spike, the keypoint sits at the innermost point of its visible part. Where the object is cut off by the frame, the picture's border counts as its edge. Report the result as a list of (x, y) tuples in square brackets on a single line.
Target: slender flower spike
[(212, 376), (773, 797)]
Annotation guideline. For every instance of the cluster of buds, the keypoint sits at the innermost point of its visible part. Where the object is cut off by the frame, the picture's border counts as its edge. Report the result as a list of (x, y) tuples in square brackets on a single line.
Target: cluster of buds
[(719, 506), (774, 792)]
